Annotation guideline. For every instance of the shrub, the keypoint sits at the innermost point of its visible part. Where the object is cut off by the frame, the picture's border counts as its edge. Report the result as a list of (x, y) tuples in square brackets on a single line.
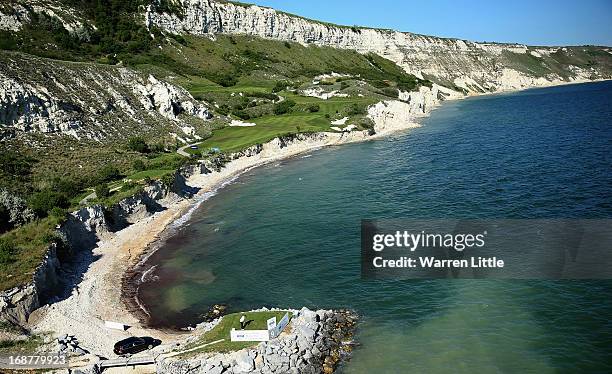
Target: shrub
[(223, 109), (127, 186), (57, 212), (226, 80), (179, 38), (7, 250), (168, 180), (241, 114), (109, 173), (356, 109), (138, 165), (287, 45), (283, 107), (44, 201), (157, 148), (138, 144), (4, 219), (102, 191), (390, 91), (313, 108), (280, 85), (263, 95)]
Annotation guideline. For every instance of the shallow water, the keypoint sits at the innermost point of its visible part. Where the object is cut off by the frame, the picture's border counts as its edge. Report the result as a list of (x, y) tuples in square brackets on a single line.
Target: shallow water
[(287, 235)]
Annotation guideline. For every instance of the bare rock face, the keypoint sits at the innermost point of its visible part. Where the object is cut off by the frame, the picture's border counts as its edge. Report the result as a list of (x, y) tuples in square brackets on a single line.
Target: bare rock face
[(90, 100), (18, 12), (11, 18), (460, 64), (169, 100)]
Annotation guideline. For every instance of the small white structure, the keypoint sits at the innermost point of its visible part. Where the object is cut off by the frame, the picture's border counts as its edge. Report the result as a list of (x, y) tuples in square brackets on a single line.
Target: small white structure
[(115, 325), (249, 335)]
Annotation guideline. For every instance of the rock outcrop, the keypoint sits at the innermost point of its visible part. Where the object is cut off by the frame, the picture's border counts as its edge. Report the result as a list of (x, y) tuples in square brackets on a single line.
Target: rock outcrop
[(91, 100), (458, 64)]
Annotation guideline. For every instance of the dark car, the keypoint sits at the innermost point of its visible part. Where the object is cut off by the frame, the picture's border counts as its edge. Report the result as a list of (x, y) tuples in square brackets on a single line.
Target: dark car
[(135, 344)]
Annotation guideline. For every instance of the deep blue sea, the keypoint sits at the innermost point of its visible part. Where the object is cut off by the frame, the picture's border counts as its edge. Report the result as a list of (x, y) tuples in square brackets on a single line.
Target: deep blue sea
[(288, 235)]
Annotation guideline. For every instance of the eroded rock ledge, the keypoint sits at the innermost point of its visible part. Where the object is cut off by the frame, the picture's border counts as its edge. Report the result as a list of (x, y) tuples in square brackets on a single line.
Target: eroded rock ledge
[(315, 342)]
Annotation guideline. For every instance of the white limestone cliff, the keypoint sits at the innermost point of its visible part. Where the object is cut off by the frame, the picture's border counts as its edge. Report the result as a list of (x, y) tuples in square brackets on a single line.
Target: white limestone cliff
[(474, 67), (88, 100)]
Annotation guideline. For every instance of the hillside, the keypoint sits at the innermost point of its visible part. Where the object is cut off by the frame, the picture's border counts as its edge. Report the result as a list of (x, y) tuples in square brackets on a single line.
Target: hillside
[(462, 64), (98, 96)]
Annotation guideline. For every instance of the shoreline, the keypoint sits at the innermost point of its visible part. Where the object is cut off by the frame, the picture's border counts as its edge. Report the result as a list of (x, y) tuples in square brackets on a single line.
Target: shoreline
[(97, 297), (129, 293)]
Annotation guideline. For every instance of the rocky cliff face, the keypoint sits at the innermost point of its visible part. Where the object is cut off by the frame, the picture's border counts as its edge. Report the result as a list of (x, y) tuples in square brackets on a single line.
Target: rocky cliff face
[(82, 230), (459, 64), (90, 100), (17, 303)]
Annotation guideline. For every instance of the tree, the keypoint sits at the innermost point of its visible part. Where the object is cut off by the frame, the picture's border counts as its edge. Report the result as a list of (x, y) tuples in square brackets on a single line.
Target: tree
[(102, 191), (42, 202), (138, 144), (109, 173)]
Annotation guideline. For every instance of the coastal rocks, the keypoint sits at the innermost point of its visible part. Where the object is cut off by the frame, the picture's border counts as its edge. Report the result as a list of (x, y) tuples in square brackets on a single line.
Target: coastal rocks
[(17, 303), (315, 342), (69, 344), (135, 208), (85, 227), (392, 115), (214, 312)]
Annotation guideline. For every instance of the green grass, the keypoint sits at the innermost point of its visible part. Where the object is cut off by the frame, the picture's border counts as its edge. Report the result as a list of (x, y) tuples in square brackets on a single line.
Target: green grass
[(222, 331), (21, 346), (232, 139), (31, 242), (153, 174)]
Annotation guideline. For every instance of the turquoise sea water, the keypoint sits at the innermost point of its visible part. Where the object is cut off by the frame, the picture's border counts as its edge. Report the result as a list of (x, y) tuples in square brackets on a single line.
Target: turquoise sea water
[(287, 235)]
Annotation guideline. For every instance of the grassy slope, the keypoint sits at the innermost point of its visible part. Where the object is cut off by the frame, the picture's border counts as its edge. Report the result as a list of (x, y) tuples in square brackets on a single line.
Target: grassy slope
[(230, 139), (31, 241)]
